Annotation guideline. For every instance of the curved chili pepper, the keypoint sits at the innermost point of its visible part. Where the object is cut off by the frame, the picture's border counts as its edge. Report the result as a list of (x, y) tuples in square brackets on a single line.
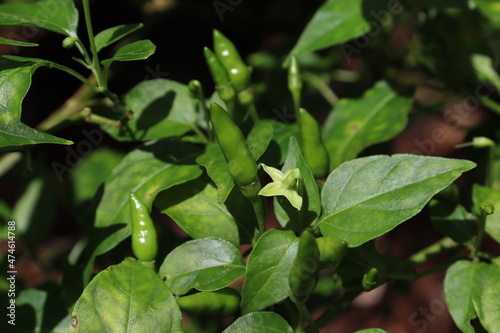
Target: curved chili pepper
[(240, 161), (223, 83), (231, 59), (313, 149), (144, 239)]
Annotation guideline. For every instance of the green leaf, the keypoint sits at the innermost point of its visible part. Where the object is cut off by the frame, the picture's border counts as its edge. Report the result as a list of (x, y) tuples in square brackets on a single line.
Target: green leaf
[(59, 16), (278, 149), (484, 68), (268, 268), (162, 108), (15, 80), (458, 224), (41, 311), (114, 34), (205, 264), (458, 287), (372, 330), (287, 215), (147, 170), (482, 194), (473, 290), (258, 322), (491, 10), (486, 296), (338, 21), (214, 162), (259, 138), (139, 50), (15, 42), (368, 197), (379, 115), (36, 200), (139, 300), (92, 171), (200, 215)]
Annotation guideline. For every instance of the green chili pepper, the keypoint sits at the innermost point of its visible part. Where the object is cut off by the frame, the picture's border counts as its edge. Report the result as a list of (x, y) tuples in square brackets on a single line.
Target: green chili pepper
[(224, 302), (144, 239), (370, 279), (295, 82), (231, 59), (240, 161), (69, 42), (314, 150), (221, 79), (305, 268), (331, 251)]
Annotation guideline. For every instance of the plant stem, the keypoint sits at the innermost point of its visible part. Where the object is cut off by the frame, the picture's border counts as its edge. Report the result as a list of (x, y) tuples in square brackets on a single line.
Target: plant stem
[(96, 66), (304, 311), (260, 213), (71, 106), (322, 87), (334, 310), (440, 246), (479, 238)]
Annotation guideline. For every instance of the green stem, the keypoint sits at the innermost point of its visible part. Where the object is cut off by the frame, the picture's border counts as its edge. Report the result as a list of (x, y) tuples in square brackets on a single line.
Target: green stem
[(96, 66), (479, 238), (304, 311), (260, 212), (491, 104), (322, 87), (343, 303), (439, 247)]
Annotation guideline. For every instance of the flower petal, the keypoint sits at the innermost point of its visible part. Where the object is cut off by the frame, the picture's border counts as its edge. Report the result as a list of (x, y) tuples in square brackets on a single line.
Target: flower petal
[(276, 175), (294, 198), (272, 189)]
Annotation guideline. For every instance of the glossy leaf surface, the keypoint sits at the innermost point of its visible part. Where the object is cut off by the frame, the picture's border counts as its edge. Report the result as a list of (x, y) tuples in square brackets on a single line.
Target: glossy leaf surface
[(268, 268), (205, 264), (257, 322)]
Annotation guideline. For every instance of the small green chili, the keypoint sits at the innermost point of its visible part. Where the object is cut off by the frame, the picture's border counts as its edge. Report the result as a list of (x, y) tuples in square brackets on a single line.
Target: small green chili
[(314, 150), (331, 251), (223, 83), (231, 59), (144, 239), (370, 279), (304, 274), (240, 161)]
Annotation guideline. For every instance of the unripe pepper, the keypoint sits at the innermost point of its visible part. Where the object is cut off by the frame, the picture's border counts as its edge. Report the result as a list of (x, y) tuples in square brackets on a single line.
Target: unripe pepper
[(223, 302), (370, 279), (305, 268), (240, 161), (331, 251), (313, 149), (144, 239), (223, 83), (294, 82), (231, 59)]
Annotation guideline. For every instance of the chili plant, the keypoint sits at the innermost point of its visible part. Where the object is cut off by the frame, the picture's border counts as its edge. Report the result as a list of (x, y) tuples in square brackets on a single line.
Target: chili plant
[(223, 169)]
